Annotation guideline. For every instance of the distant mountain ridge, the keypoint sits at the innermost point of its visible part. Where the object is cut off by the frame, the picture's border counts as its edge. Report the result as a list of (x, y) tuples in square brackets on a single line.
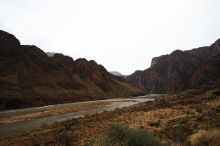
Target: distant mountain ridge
[(179, 70), (50, 54), (28, 77), (116, 73)]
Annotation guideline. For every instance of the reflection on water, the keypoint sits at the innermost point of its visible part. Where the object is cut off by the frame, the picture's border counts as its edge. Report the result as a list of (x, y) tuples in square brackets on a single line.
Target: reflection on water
[(28, 125)]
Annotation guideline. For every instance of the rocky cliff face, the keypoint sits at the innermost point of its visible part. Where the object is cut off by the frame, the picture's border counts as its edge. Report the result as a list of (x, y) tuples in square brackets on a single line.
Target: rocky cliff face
[(179, 70), (209, 72), (28, 77)]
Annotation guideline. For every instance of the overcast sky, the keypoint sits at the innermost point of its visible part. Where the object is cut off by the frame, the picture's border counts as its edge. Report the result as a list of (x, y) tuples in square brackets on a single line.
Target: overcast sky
[(122, 35)]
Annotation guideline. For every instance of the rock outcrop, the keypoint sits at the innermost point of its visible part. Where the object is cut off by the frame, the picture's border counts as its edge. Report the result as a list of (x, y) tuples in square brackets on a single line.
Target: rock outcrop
[(179, 70), (29, 77)]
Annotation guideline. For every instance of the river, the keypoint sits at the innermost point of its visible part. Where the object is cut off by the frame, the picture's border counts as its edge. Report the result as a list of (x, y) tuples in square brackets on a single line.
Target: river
[(25, 125)]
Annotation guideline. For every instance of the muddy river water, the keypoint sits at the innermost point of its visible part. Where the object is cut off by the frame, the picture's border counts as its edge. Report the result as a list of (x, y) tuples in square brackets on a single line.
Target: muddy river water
[(12, 122)]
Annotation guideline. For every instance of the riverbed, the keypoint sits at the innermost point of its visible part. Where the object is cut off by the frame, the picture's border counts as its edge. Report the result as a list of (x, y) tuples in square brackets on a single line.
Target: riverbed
[(19, 121)]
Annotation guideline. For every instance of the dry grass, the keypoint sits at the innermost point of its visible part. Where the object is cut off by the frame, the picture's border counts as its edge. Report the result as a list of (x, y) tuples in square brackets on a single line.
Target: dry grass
[(178, 144), (172, 118), (41, 114), (206, 138)]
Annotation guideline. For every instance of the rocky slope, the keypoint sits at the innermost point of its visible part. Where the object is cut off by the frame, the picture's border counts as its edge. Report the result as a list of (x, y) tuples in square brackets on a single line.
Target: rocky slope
[(28, 77), (179, 70), (175, 119)]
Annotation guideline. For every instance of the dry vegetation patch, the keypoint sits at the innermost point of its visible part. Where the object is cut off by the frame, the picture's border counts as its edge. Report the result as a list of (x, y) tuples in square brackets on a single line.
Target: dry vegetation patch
[(177, 120), (205, 138), (40, 114)]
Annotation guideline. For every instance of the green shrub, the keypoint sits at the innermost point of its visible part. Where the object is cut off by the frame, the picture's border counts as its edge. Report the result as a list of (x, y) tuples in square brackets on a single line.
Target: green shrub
[(121, 135), (140, 137), (117, 133)]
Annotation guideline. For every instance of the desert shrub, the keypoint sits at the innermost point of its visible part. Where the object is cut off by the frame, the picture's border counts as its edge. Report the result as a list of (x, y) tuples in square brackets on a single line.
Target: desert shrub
[(140, 137), (217, 109), (177, 133), (205, 138), (155, 124), (117, 133), (182, 122), (121, 135), (199, 108), (217, 92), (64, 139)]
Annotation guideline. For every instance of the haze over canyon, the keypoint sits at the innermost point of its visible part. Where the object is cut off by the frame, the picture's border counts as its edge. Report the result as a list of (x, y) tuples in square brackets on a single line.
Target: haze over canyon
[(31, 77)]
